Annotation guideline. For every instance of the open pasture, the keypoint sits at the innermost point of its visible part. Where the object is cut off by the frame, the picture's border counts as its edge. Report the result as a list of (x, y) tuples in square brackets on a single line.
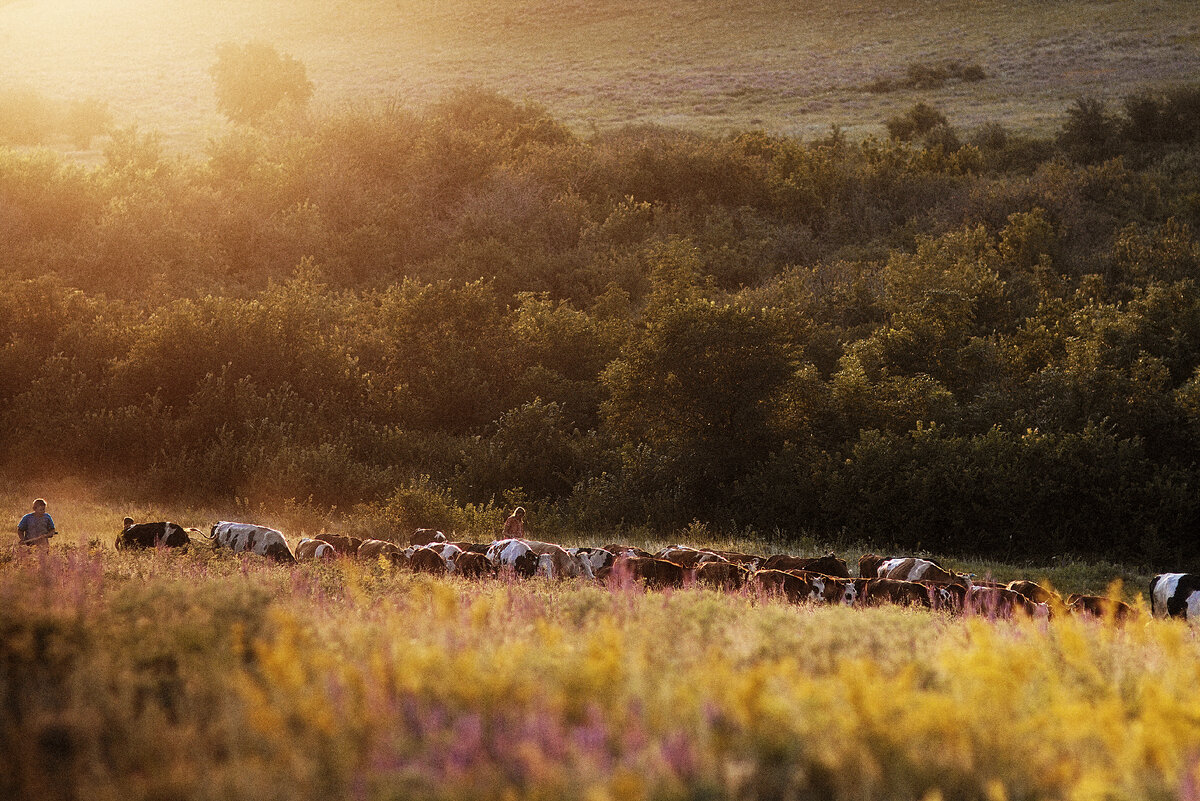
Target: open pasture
[(203, 675), (787, 67)]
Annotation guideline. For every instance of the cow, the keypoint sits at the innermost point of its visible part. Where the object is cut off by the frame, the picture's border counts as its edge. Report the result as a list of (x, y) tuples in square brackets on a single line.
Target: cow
[(370, 550), (999, 602), (837, 590), (473, 547), (749, 561), (446, 550), (152, 535), (685, 556), (877, 591), (909, 568), (829, 564), (1036, 592), (1099, 606), (597, 558), (342, 545), (1175, 595), (651, 570), (868, 565), (423, 559), (625, 550), (249, 538), (554, 561), (470, 564), (314, 549), (801, 586), (513, 555), (722, 575), (943, 595), (426, 536)]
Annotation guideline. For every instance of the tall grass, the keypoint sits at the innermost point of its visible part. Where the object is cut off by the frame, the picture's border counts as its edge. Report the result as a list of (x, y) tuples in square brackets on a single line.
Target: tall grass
[(161, 675)]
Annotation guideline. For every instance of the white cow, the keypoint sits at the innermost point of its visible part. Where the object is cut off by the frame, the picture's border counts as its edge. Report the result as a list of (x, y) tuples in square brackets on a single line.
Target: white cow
[(249, 538), (1175, 595), (513, 554)]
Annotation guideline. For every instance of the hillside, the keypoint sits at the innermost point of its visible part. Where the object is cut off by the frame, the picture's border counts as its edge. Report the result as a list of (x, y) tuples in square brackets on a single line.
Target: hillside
[(787, 67)]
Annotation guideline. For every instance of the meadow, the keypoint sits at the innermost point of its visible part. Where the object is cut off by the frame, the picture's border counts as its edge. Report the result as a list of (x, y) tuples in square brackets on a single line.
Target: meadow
[(790, 68), (157, 675), (914, 277)]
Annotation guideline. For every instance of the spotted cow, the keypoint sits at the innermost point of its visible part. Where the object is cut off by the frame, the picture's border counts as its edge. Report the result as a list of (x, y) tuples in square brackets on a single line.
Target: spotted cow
[(514, 556), (1175, 595), (153, 535), (249, 538)]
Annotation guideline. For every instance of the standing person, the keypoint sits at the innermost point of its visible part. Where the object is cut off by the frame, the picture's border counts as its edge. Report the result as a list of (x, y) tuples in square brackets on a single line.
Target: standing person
[(37, 527), (514, 526)]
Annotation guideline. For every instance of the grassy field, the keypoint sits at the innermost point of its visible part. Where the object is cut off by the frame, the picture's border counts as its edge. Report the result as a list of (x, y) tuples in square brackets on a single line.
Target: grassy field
[(794, 67), (89, 516), (163, 675)]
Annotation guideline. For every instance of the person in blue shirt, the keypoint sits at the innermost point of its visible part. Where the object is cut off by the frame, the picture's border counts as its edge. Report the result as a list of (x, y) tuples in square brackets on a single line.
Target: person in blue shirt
[(37, 527)]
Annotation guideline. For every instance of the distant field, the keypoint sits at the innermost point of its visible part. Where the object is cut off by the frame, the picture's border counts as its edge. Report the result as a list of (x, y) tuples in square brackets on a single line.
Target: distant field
[(788, 66)]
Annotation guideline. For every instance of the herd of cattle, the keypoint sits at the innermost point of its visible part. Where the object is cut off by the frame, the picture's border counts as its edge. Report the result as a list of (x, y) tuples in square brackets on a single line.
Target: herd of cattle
[(825, 579)]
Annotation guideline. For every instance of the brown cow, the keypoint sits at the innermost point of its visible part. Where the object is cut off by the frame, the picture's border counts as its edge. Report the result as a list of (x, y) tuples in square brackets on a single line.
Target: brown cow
[(868, 565), (794, 587), (654, 572), (722, 575), (1098, 606), (999, 602), (877, 591), (315, 549), (750, 561), (426, 536), (943, 595), (469, 564), (343, 545), (685, 556), (426, 560), (829, 564), (1036, 592), (373, 549), (626, 550)]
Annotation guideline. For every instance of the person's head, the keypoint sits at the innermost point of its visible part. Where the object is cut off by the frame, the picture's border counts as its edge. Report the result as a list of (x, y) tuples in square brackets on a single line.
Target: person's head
[(519, 511), (39, 505)]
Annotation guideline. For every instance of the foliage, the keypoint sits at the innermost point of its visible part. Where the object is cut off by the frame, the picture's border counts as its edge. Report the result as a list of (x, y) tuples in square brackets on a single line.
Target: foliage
[(253, 79), (426, 315)]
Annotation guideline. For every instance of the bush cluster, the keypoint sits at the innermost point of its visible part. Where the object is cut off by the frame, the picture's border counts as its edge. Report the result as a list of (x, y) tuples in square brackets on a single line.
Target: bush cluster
[(987, 348)]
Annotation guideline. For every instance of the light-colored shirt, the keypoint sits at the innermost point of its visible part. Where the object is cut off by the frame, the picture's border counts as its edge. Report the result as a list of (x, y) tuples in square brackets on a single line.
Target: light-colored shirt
[(34, 525)]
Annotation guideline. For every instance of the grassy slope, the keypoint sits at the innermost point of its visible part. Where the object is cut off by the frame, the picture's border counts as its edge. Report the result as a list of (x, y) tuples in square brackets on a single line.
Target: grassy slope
[(792, 66)]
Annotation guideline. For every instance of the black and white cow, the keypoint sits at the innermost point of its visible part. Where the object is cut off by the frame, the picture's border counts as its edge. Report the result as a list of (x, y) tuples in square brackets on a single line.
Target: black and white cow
[(1175, 595), (152, 535), (249, 538)]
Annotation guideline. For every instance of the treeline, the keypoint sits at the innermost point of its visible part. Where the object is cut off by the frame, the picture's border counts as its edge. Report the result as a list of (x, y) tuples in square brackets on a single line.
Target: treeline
[(975, 342)]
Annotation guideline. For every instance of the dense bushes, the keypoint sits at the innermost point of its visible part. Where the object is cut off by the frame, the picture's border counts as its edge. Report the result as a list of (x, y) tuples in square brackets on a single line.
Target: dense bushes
[(980, 347)]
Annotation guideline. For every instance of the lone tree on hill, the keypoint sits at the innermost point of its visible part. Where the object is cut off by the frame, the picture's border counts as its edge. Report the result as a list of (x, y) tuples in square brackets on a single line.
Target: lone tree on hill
[(253, 79)]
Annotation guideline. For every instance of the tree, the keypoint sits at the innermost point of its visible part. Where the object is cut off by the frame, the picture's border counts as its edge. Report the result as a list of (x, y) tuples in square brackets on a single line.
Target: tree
[(1091, 133), (253, 79), (697, 390)]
